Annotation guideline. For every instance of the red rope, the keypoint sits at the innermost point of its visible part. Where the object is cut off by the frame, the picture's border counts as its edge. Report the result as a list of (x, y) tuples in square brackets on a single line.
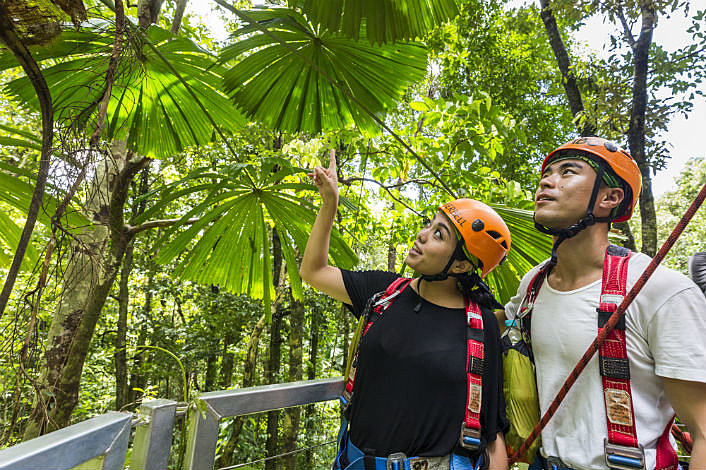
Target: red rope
[(610, 324), (683, 437)]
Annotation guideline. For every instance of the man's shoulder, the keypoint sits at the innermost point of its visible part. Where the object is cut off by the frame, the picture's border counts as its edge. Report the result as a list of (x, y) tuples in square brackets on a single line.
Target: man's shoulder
[(666, 280)]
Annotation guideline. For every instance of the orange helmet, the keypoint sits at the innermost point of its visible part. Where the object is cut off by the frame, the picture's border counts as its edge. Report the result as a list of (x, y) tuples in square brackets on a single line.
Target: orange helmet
[(484, 232), (616, 158)]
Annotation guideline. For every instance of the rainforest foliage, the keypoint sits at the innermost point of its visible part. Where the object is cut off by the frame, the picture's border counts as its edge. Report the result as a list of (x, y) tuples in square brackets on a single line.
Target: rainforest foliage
[(154, 193)]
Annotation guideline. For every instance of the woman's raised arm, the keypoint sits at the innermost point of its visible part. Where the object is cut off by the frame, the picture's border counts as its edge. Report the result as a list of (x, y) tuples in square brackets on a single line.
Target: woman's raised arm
[(315, 269)]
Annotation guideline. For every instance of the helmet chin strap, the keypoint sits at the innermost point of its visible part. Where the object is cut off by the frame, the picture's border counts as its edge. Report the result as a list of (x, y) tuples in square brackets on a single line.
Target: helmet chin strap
[(573, 230)]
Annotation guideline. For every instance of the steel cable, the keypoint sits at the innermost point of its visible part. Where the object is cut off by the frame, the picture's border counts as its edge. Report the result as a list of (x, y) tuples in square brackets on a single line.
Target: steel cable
[(285, 454)]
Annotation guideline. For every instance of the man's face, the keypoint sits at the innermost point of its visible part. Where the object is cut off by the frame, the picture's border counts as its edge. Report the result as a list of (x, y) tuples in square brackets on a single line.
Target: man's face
[(563, 193)]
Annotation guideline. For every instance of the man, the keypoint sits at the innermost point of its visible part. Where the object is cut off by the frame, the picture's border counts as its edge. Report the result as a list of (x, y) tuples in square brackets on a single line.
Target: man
[(618, 413)]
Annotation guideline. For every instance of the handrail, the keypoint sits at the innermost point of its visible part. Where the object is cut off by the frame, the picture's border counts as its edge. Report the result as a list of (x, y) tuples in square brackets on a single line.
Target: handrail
[(103, 440), (212, 406)]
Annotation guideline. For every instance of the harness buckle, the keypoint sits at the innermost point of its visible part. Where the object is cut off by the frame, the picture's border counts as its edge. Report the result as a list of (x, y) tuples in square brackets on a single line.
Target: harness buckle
[(622, 457), (470, 438), (418, 463), (396, 461)]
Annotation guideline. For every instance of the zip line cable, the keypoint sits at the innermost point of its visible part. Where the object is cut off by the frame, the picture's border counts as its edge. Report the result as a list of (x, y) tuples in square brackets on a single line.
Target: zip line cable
[(612, 321), (285, 454), (343, 90)]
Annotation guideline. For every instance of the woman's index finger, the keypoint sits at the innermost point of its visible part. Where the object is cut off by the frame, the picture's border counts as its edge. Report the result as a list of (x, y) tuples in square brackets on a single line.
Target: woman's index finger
[(332, 160)]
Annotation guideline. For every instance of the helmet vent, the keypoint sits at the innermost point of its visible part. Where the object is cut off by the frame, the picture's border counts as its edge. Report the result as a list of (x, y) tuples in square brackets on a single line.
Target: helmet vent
[(496, 235)]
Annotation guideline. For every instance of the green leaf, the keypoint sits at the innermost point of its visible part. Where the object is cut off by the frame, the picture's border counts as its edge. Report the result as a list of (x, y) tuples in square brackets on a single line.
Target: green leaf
[(386, 20), (419, 106), (229, 245), (280, 89), (149, 106), (529, 247)]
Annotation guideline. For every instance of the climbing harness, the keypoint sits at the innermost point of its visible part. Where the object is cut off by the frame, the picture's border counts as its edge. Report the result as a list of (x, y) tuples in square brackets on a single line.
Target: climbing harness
[(622, 450), (351, 458), (612, 321)]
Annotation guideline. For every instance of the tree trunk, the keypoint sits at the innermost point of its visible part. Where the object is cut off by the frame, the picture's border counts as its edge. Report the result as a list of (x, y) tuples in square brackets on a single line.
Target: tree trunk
[(121, 382), (137, 379), (275, 358), (30, 67), (248, 381), (636, 131), (571, 88), (227, 361), (292, 415), (211, 372), (97, 257), (178, 15), (121, 394), (310, 410), (148, 12), (391, 251)]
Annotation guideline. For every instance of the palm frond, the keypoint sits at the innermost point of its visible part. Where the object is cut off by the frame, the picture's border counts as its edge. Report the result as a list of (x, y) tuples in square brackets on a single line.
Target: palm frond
[(386, 20), (150, 107), (277, 87)]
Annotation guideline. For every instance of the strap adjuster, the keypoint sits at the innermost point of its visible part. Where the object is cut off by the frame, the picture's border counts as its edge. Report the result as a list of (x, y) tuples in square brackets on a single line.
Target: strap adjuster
[(396, 461), (621, 457), (470, 438)]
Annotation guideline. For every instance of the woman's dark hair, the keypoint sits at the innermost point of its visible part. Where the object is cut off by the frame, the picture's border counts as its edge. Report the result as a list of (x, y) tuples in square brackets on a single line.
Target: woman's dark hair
[(475, 289)]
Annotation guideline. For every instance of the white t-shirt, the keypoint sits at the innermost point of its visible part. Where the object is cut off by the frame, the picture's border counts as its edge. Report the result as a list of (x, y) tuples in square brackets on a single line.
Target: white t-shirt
[(666, 337)]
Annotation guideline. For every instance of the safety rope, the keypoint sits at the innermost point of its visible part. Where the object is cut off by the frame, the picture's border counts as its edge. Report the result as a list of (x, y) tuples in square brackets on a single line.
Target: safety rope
[(684, 438), (612, 321), (285, 454)]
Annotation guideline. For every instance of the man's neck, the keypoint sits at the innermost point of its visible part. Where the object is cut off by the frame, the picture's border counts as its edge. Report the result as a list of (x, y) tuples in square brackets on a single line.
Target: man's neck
[(580, 259)]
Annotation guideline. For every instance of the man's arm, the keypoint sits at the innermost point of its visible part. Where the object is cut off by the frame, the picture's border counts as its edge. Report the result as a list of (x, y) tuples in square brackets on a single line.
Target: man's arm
[(315, 268), (500, 316), (497, 453), (689, 402)]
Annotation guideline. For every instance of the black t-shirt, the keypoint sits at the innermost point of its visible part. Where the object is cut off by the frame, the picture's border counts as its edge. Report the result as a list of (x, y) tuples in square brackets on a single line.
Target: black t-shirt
[(410, 385)]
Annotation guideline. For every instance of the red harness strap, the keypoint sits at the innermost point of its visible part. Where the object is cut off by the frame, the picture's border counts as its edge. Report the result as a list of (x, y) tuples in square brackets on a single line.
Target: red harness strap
[(622, 449), (475, 357)]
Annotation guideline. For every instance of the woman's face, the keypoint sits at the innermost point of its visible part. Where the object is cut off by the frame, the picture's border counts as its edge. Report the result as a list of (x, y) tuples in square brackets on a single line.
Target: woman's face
[(433, 246)]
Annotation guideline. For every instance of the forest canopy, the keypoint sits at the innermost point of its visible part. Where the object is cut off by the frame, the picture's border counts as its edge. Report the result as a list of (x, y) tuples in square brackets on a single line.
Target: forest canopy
[(154, 195)]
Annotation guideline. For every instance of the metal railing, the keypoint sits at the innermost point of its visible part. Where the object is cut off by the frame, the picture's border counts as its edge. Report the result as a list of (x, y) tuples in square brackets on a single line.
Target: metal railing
[(102, 442)]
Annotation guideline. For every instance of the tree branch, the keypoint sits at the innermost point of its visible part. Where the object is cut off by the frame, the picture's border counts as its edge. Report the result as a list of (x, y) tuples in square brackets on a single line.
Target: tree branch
[(132, 231), (571, 88), (30, 67), (110, 73), (387, 188), (627, 32)]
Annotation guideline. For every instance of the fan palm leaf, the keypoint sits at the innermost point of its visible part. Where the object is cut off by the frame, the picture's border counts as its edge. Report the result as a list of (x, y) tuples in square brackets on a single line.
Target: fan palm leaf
[(529, 248), (294, 91), (150, 106), (230, 245), (386, 20)]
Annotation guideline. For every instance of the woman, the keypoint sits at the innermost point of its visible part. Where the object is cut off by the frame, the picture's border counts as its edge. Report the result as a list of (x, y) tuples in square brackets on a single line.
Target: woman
[(428, 387)]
